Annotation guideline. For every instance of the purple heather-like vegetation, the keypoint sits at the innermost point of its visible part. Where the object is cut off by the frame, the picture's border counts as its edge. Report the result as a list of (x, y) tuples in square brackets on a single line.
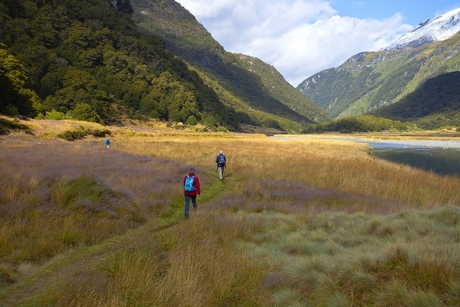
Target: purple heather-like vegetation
[(148, 182)]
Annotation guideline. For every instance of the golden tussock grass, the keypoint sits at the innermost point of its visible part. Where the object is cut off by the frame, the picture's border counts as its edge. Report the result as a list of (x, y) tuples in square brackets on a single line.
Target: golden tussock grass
[(332, 165), (302, 222)]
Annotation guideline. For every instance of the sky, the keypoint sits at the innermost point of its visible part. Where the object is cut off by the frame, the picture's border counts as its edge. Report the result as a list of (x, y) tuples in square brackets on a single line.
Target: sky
[(303, 37)]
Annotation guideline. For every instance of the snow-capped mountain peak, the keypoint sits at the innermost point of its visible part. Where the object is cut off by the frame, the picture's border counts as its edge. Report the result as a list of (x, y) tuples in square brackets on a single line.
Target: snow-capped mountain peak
[(430, 30)]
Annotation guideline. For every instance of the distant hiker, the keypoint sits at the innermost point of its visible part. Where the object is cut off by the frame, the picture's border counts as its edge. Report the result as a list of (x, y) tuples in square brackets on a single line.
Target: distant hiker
[(107, 143), (221, 160), (191, 190)]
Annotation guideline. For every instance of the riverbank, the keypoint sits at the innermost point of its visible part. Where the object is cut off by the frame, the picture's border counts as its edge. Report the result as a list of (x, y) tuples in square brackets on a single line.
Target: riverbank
[(418, 143), (430, 140)]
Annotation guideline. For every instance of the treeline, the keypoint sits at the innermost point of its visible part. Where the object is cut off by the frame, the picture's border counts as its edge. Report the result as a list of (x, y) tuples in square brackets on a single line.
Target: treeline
[(362, 123), (80, 58)]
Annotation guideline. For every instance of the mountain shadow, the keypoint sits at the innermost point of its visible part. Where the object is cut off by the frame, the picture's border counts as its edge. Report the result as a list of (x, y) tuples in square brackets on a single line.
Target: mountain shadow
[(435, 103), (245, 78), (370, 80)]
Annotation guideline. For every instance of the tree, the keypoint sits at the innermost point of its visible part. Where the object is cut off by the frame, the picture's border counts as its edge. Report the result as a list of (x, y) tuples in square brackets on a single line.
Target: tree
[(14, 93), (78, 86), (84, 112), (191, 120)]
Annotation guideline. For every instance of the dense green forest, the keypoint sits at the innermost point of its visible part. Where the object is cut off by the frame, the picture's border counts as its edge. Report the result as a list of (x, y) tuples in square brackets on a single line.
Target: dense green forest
[(435, 104), (361, 123), (82, 58)]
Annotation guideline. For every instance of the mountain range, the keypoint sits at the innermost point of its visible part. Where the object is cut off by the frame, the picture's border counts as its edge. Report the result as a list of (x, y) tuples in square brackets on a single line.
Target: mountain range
[(102, 60), (370, 80)]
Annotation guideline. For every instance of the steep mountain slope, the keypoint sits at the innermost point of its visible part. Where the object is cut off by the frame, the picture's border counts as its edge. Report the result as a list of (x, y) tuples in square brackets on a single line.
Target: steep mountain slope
[(87, 60), (278, 88), (434, 104), (247, 82), (370, 80)]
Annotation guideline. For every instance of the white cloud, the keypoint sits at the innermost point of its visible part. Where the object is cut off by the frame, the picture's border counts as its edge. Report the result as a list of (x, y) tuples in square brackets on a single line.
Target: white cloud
[(298, 37), (310, 48)]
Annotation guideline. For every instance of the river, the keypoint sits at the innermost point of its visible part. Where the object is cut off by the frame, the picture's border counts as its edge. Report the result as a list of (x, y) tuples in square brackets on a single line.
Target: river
[(439, 156), (442, 157)]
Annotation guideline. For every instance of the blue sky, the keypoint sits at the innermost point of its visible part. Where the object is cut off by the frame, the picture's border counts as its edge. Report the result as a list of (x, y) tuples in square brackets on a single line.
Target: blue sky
[(413, 12), (302, 37)]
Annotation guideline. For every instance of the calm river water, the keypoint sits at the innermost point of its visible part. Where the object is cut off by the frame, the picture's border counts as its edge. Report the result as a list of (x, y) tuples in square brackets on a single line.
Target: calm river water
[(442, 157)]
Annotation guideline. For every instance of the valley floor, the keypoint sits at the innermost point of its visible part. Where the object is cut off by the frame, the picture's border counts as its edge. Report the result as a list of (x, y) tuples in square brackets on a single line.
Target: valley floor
[(309, 220)]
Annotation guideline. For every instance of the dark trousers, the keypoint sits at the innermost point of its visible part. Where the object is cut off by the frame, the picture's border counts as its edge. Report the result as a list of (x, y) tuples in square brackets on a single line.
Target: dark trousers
[(187, 204)]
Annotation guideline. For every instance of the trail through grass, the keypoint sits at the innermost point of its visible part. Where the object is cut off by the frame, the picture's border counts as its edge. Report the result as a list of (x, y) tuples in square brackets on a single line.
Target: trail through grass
[(35, 291), (294, 223)]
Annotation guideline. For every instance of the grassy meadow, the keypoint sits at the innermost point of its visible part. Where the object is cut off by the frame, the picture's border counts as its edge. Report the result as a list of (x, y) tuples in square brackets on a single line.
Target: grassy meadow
[(302, 222)]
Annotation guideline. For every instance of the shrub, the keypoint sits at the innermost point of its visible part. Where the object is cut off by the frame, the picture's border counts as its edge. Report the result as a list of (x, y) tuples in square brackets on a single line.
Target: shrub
[(222, 129), (73, 135), (99, 133), (271, 123), (210, 121), (55, 115), (191, 120), (11, 110), (84, 112), (154, 114), (6, 126)]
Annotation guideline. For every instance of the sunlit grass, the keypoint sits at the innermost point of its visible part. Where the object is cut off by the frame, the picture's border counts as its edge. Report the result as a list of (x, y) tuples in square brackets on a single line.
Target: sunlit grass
[(329, 165), (300, 222)]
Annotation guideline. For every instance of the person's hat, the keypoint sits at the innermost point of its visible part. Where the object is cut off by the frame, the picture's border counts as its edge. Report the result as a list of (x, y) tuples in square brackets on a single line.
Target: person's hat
[(192, 170), (221, 152)]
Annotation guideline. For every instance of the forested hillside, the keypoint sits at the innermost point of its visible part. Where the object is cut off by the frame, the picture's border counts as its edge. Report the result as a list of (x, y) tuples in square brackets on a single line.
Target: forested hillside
[(86, 59), (242, 81), (371, 80), (435, 104)]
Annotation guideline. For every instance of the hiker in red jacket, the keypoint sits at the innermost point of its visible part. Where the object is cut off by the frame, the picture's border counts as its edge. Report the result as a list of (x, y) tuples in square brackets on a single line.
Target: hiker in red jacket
[(191, 190)]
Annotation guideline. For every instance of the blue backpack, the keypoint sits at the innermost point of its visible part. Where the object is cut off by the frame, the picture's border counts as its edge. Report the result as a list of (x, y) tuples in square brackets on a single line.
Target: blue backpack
[(189, 184)]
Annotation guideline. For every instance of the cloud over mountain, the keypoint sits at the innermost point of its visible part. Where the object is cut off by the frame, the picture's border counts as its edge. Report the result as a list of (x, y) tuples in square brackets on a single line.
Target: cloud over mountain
[(298, 37), (431, 30)]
